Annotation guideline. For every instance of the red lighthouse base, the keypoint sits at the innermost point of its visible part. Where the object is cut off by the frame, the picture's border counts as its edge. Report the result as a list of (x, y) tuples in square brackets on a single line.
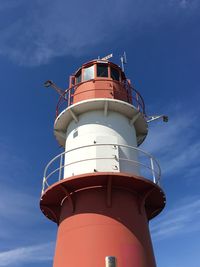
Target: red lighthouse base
[(103, 214)]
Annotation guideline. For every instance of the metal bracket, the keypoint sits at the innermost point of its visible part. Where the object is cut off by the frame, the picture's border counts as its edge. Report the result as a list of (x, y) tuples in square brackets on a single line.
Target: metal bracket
[(135, 117), (156, 117), (106, 108), (68, 196), (51, 84), (143, 199), (73, 115), (52, 213), (60, 134), (109, 192)]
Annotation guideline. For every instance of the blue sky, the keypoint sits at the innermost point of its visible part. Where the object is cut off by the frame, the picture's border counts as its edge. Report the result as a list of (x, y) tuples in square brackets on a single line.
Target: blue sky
[(42, 40)]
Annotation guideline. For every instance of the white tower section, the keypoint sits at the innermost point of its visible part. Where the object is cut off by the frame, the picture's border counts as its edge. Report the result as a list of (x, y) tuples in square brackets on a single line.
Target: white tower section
[(100, 137)]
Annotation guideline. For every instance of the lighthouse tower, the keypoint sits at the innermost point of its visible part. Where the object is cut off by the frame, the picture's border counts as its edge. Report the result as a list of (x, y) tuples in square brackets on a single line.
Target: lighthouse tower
[(103, 189)]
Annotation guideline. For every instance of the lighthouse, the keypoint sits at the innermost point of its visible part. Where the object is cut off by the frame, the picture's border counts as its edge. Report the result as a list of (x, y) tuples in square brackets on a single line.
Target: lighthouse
[(102, 190)]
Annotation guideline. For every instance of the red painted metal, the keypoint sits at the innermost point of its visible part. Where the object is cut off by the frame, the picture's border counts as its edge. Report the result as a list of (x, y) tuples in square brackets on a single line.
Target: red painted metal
[(110, 216), (100, 88)]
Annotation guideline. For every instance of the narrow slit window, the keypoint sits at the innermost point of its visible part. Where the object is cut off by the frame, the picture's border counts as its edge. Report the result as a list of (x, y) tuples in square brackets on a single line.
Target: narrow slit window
[(102, 70), (114, 74), (88, 73)]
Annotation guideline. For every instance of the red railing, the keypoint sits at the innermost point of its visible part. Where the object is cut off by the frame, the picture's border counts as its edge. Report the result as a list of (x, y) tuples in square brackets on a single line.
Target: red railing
[(133, 97)]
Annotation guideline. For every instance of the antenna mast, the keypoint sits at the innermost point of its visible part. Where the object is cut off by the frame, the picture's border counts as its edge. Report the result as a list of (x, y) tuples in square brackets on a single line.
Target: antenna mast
[(123, 60)]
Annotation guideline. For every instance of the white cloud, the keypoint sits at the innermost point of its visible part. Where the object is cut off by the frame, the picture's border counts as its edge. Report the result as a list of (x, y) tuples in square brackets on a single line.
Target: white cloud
[(184, 218), (183, 3), (36, 253), (175, 144), (187, 3), (34, 32), (19, 200)]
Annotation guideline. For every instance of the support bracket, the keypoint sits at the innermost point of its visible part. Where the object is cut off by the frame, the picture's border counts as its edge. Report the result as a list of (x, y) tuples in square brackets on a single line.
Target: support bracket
[(68, 196), (109, 192), (135, 117), (61, 134), (74, 116), (106, 108)]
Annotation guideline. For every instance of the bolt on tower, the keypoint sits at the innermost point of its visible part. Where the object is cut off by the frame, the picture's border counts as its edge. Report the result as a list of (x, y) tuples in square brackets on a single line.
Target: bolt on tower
[(103, 189)]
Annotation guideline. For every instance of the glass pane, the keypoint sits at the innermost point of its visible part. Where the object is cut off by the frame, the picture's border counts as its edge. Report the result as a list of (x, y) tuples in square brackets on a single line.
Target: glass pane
[(78, 77), (102, 70), (114, 74), (88, 73)]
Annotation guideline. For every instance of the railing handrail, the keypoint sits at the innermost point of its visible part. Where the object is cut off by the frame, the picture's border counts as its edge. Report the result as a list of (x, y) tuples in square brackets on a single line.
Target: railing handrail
[(139, 99), (153, 161)]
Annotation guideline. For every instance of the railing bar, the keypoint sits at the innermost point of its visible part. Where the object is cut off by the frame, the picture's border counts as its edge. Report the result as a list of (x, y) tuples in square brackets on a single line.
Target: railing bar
[(87, 159), (94, 145), (141, 164), (51, 161), (54, 171), (156, 174), (111, 144), (74, 162), (130, 160), (78, 161)]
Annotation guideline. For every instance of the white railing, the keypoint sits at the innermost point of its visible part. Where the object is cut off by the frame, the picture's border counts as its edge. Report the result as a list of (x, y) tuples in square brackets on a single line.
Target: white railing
[(145, 162)]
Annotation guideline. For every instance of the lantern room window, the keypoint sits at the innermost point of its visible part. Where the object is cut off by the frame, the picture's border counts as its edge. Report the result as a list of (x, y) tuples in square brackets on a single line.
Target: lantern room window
[(114, 74), (78, 77), (102, 70), (88, 73)]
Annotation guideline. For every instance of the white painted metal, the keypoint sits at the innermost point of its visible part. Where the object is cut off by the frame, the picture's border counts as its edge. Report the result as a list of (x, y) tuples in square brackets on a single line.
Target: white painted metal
[(101, 104), (100, 135), (95, 128)]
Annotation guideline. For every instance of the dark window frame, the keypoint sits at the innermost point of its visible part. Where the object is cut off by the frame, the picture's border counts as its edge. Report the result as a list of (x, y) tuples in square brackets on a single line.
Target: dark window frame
[(78, 77), (114, 71), (99, 73)]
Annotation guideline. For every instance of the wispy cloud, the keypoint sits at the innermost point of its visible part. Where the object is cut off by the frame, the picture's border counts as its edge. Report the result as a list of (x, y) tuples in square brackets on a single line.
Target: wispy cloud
[(14, 202), (18, 212), (19, 207), (34, 32), (184, 218), (186, 3), (176, 144), (36, 253)]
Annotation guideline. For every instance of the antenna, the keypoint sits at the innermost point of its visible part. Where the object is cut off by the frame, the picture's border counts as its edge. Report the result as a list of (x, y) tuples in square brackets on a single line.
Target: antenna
[(123, 60), (107, 57)]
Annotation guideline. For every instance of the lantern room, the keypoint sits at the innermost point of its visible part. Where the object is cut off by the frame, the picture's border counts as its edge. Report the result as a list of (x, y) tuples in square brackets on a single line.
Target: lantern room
[(99, 79)]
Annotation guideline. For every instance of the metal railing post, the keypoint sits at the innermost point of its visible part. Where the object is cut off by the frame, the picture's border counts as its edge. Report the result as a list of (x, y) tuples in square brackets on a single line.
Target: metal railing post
[(152, 168), (43, 184), (69, 98), (61, 167)]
